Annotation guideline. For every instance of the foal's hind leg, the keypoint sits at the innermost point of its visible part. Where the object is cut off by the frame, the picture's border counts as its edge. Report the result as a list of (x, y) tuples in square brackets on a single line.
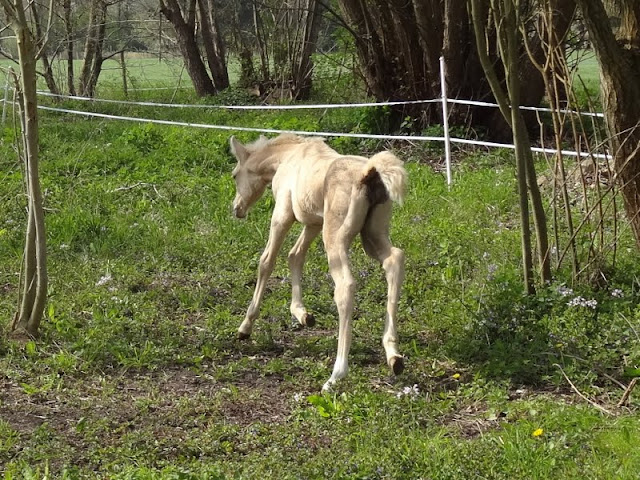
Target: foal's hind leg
[(338, 233), (375, 239), (296, 261), (281, 222), (337, 251)]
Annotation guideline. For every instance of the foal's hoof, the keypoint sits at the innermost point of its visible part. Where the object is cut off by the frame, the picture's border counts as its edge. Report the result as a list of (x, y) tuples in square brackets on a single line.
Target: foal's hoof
[(243, 336), (397, 365), (308, 320)]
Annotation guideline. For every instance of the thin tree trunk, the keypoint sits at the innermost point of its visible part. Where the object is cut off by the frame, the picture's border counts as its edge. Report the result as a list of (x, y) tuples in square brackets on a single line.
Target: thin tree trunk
[(68, 26), (123, 66), (242, 25), (90, 47), (511, 60), (44, 57), (554, 18), (505, 15), (98, 59), (35, 256), (302, 68), (508, 45), (264, 55)]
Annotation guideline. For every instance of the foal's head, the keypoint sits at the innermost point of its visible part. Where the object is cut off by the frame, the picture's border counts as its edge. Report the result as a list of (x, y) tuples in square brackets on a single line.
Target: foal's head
[(250, 182)]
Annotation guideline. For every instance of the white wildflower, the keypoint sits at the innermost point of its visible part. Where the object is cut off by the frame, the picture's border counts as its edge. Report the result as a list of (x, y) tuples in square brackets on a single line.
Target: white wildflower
[(617, 293), (565, 291), (104, 280), (412, 391), (582, 302)]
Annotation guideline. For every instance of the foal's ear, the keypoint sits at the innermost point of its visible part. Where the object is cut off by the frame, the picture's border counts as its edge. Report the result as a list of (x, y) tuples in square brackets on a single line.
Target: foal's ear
[(238, 149)]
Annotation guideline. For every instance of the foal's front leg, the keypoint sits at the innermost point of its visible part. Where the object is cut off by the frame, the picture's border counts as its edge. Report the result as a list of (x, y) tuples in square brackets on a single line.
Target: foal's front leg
[(281, 222), (296, 262)]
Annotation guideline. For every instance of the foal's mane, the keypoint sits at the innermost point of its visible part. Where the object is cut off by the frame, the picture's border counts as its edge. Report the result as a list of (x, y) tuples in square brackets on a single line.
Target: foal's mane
[(281, 140)]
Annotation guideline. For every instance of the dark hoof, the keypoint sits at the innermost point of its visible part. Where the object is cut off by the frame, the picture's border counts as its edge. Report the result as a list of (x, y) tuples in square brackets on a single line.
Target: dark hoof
[(397, 365), (243, 336), (309, 320)]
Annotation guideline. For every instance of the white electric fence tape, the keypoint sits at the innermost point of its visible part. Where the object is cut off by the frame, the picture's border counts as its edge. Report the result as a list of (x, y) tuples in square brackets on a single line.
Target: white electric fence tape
[(446, 139), (422, 138), (309, 106), (322, 106)]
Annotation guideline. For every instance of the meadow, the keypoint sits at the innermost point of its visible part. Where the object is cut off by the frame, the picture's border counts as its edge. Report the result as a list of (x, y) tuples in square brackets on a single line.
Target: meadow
[(138, 373)]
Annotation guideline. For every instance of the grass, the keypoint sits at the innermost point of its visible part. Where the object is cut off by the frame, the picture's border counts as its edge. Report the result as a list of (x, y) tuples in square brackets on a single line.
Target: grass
[(138, 373), (165, 80)]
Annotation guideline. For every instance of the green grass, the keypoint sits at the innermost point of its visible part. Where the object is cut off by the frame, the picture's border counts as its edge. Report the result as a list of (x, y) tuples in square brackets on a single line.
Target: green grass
[(138, 374), (586, 81), (165, 79)]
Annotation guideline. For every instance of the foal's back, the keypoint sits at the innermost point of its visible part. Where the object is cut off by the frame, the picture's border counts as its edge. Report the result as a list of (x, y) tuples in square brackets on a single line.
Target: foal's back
[(305, 165)]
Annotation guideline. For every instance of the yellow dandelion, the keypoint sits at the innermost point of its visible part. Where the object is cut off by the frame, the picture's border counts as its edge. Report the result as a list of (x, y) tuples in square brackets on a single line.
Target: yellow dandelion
[(537, 432), (456, 376)]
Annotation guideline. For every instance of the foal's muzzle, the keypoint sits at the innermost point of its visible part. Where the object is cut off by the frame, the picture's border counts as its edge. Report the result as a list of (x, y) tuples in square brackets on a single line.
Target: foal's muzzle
[(238, 210)]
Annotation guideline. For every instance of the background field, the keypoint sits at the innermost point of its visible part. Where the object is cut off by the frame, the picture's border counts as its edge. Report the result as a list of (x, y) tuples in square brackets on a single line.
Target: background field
[(138, 373)]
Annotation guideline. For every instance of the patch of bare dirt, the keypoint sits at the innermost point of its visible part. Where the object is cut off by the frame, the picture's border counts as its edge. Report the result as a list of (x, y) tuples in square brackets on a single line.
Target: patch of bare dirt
[(473, 420), (262, 399), (89, 414)]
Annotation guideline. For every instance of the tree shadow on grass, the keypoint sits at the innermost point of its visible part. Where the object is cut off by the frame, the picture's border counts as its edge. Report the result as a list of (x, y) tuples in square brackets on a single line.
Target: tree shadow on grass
[(511, 340)]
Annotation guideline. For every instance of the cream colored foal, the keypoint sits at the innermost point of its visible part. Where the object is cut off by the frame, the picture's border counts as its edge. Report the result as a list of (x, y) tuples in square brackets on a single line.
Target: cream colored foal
[(340, 195)]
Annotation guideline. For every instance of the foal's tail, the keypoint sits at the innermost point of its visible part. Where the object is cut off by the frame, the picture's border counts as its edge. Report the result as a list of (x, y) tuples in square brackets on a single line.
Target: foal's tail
[(385, 178)]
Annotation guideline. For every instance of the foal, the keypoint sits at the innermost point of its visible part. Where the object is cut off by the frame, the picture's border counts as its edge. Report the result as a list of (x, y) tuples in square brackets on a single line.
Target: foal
[(339, 195)]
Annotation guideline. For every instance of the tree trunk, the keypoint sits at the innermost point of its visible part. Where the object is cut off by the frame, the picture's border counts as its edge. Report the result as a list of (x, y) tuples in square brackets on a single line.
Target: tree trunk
[(399, 43), (243, 25), (185, 28), (98, 59), (123, 66), (35, 279), (390, 47), (629, 31), (619, 61), (68, 28), (90, 47), (389, 43), (47, 72), (456, 44), (262, 48), (560, 23), (213, 45), (549, 57), (509, 42), (302, 65)]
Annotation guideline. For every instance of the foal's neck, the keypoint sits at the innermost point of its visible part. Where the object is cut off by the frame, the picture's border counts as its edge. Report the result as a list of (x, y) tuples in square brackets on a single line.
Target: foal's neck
[(267, 166)]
